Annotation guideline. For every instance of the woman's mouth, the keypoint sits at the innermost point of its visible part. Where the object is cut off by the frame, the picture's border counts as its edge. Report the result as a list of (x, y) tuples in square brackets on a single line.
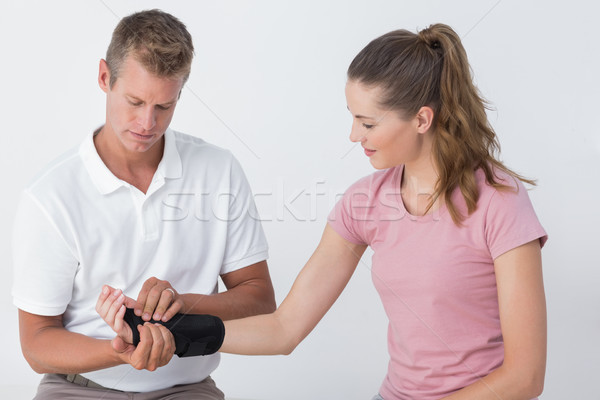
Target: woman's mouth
[(369, 152)]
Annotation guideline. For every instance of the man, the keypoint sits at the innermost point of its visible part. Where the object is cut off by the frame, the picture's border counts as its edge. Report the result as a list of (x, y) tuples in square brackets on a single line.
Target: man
[(156, 213)]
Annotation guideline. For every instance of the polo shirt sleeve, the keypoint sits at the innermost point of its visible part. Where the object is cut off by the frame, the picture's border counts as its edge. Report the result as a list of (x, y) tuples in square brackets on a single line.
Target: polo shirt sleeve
[(246, 241), (350, 213), (44, 265), (511, 221)]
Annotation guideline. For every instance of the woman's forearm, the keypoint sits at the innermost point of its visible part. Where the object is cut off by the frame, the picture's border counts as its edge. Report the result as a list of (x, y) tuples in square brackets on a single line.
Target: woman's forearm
[(314, 291), (261, 334), (504, 383)]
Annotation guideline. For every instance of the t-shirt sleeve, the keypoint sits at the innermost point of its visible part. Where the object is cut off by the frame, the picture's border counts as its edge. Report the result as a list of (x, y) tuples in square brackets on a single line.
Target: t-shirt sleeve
[(246, 241), (44, 266), (350, 214), (511, 221)]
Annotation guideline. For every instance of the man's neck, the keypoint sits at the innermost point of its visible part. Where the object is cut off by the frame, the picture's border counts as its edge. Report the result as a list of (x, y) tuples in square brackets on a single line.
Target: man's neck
[(135, 168)]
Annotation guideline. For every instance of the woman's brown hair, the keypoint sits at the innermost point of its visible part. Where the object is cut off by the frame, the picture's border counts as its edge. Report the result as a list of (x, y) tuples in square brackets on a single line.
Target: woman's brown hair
[(431, 68)]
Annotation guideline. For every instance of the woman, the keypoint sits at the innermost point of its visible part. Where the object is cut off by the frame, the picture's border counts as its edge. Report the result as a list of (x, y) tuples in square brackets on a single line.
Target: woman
[(456, 241)]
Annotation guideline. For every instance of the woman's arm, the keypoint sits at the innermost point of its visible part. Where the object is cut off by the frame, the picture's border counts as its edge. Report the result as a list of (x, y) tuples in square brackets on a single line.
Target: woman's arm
[(315, 290), (523, 318)]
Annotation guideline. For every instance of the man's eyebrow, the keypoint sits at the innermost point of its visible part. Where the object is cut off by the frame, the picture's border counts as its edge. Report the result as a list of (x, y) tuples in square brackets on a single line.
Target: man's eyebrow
[(168, 104), (360, 116), (132, 97), (137, 99)]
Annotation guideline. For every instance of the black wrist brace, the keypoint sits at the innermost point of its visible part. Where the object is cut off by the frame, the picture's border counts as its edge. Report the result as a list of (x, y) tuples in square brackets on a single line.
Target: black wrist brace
[(195, 334)]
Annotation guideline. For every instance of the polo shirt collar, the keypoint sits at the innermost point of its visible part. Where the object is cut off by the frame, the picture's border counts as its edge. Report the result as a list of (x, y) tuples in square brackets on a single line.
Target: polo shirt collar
[(170, 164), (106, 182)]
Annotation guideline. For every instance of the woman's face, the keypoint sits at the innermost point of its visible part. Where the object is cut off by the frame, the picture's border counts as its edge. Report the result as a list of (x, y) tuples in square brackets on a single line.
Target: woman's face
[(387, 139)]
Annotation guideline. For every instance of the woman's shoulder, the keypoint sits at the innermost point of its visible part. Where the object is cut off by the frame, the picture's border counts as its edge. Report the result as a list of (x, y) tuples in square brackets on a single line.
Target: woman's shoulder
[(499, 180), (492, 191), (507, 212), (507, 193)]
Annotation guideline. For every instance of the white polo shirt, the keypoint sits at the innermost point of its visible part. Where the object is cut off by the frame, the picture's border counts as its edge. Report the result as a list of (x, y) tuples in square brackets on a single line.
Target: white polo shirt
[(78, 227)]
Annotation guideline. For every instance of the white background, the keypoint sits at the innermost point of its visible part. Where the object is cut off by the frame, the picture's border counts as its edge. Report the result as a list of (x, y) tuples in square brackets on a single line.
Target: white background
[(267, 83)]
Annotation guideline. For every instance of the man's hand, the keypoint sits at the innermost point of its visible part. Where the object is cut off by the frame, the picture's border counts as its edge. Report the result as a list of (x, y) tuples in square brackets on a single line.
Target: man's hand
[(157, 344), (157, 300), (111, 307), (155, 349)]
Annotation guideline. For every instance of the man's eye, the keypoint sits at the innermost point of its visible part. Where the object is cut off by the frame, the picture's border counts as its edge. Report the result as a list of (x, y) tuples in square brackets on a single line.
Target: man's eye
[(368, 126), (135, 104), (163, 107)]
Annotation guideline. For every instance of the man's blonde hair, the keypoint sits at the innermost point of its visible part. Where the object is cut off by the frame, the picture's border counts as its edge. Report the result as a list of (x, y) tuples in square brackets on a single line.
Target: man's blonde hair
[(157, 40)]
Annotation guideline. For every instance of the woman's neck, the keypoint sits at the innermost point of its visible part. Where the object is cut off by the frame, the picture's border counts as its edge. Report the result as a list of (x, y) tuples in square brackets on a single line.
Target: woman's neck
[(418, 184)]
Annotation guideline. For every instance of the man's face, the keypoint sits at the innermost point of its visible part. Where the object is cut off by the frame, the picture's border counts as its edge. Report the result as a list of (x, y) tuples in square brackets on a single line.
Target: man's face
[(139, 106)]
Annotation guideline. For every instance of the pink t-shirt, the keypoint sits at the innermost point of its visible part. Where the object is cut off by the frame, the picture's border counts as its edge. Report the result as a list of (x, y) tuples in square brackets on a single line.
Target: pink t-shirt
[(436, 280)]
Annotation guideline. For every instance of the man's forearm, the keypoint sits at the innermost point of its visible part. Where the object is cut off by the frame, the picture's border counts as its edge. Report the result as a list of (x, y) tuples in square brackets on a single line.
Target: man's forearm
[(241, 301), (56, 350)]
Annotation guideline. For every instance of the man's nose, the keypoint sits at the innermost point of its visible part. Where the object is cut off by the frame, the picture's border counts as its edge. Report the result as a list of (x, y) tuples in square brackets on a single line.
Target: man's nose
[(147, 119)]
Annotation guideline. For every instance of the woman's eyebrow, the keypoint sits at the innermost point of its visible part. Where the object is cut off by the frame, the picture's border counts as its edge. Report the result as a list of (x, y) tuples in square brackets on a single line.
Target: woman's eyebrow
[(360, 116)]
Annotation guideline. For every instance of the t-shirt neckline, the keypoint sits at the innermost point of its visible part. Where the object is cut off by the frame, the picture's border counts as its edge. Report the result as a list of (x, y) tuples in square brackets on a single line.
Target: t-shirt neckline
[(435, 215)]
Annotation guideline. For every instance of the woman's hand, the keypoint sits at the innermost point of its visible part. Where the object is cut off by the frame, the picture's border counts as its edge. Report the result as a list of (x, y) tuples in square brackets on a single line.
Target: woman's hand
[(111, 307)]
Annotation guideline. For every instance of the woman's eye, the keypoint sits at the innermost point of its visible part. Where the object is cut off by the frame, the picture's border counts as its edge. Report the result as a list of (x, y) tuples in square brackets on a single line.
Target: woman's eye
[(368, 126)]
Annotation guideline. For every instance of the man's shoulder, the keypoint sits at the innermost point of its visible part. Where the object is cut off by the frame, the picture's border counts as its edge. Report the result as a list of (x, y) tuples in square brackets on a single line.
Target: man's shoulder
[(198, 154), (62, 169), (194, 145)]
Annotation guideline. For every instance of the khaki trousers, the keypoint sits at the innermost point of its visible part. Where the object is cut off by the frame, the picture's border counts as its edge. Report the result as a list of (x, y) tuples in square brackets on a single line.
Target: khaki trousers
[(57, 387)]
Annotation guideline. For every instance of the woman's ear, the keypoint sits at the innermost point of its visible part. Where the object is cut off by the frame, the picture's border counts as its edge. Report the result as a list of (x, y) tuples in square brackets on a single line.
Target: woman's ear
[(424, 119)]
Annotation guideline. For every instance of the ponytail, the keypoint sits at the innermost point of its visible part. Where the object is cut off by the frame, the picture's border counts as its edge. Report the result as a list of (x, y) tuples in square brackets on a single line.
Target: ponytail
[(431, 69)]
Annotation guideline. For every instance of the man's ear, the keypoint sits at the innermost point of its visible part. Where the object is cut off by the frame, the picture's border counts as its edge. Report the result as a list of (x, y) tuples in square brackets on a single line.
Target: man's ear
[(104, 76), (424, 119)]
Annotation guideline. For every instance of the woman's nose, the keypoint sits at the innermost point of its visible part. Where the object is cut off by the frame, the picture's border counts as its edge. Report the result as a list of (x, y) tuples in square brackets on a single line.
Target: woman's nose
[(356, 134)]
